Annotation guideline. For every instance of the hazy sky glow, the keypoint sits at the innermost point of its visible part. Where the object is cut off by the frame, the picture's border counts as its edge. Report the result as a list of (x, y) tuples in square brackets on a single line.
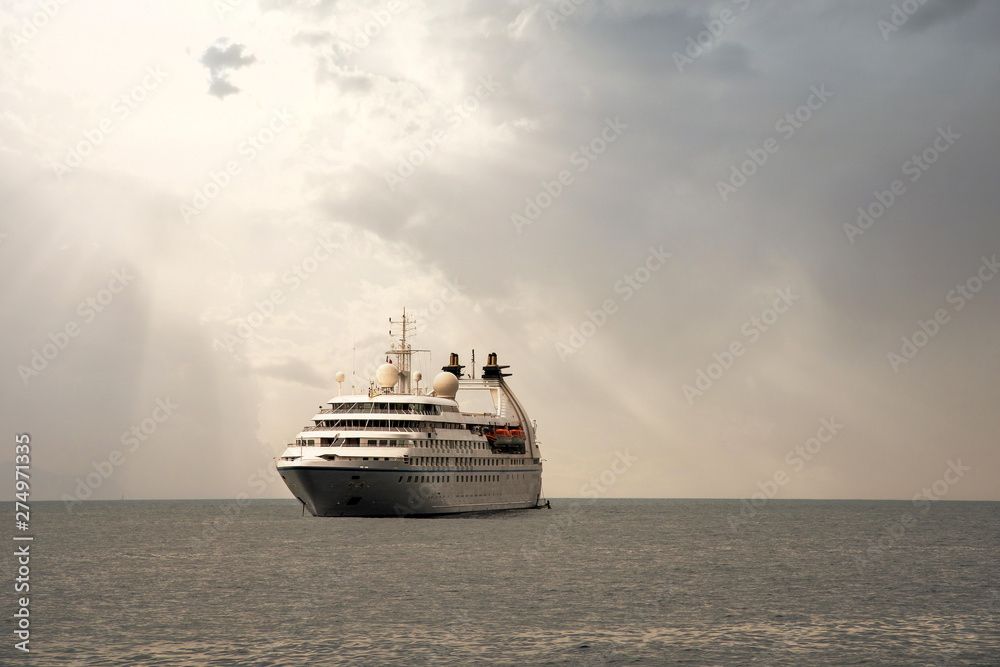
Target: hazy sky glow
[(698, 233)]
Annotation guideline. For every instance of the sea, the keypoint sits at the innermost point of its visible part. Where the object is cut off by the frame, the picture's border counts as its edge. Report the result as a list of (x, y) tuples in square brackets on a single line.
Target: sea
[(587, 582)]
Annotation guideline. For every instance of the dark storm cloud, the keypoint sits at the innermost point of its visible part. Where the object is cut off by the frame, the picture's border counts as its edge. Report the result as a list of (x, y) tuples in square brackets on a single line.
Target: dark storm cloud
[(939, 11), (659, 184)]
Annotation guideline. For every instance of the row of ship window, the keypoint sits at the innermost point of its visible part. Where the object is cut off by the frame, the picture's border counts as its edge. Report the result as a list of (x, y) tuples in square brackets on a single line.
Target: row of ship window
[(411, 424), (390, 408), (454, 460), (429, 460), (371, 423), (388, 442), (435, 479), (386, 424)]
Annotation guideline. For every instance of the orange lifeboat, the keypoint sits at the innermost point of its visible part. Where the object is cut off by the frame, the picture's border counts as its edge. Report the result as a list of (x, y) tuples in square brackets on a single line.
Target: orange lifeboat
[(504, 437)]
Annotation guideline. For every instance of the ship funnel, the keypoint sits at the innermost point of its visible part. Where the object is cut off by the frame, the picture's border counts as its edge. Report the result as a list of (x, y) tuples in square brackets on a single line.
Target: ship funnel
[(492, 370), (453, 366)]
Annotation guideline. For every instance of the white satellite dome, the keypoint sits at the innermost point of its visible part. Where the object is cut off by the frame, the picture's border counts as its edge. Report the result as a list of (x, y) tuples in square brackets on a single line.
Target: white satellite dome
[(387, 376), (445, 385), (418, 376), (339, 377)]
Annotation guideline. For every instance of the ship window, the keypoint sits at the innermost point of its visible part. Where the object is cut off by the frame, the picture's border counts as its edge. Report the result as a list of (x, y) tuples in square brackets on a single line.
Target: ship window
[(409, 478)]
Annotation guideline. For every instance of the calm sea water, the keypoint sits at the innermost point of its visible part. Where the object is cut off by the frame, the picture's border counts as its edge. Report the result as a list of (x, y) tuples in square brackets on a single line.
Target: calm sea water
[(610, 582)]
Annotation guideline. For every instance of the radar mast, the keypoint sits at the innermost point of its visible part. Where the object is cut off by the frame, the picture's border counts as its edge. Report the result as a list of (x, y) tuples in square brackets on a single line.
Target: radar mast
[(402, 350)]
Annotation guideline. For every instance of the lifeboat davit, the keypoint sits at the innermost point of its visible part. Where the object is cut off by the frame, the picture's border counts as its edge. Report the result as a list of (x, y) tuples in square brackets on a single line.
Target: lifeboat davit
[(505, 436)]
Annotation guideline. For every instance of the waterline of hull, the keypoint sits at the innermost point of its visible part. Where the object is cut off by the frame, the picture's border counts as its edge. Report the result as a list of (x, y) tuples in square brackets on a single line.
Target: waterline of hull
[(339, 491)]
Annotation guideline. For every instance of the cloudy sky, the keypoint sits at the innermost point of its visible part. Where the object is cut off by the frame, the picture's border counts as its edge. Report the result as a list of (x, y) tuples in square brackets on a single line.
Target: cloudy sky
[(734, 241)]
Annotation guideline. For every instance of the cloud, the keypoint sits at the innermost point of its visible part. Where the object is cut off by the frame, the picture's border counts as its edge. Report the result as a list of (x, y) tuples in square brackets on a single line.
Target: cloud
[(220, 59), (939, 11), (294, 370)]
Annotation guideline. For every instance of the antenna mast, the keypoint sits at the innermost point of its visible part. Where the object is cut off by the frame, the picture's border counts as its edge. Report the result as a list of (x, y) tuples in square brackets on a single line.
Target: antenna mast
[(402, 350)]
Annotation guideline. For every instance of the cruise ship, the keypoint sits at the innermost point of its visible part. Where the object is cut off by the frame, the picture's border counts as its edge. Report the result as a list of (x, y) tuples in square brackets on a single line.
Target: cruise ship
[(404, 450)]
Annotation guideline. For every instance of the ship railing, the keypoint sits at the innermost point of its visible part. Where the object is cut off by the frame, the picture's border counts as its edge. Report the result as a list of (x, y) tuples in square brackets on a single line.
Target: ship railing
[(342, 444), (396, 411), (393, 429)]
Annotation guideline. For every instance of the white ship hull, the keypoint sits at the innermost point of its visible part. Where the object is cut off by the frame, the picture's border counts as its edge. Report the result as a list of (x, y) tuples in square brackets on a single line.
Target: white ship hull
[(372, 491)]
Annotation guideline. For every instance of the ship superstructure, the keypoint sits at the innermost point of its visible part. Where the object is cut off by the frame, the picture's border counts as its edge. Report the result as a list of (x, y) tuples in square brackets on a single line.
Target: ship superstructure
[(403, 451)]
